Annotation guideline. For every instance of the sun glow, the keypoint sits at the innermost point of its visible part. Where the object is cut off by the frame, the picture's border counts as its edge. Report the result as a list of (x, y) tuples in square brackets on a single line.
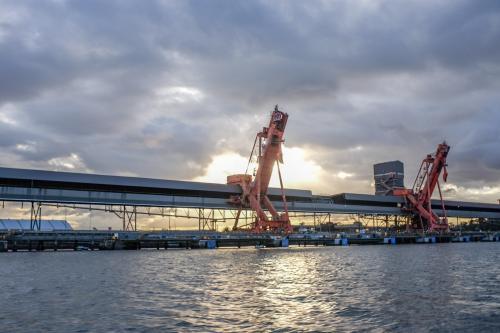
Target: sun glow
[(298, 170)]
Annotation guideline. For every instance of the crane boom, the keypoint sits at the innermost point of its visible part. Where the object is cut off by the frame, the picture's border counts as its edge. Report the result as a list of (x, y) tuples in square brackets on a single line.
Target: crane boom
[(419, 197), (270, 140), (254, 189)]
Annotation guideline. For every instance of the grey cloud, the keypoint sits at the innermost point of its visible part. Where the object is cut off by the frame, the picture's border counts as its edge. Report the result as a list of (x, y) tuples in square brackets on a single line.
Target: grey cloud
[(394, 78)]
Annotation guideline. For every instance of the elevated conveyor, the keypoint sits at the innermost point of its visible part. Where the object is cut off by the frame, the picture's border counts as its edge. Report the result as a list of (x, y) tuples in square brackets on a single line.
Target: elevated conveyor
[(23, 185)]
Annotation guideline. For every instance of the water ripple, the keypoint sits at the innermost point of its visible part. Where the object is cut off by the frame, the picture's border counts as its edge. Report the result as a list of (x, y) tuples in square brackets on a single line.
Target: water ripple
[(420, 288)]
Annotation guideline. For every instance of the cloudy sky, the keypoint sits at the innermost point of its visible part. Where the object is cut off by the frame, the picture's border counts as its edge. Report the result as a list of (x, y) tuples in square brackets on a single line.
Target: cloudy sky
[(178, 89)]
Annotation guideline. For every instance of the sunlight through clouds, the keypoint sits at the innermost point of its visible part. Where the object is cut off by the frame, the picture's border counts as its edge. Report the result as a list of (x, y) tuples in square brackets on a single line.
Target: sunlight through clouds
[(482, 193), (73, 162), (7, 114), (179, 94), (222, 166), (298, 169)]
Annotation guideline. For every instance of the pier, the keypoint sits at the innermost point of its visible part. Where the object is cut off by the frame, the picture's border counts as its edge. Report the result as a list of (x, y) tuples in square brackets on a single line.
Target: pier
[(135, 240)]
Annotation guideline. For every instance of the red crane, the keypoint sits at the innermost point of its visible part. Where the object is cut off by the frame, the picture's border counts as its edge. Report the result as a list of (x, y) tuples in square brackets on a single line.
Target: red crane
[(419, 197), (254, 189)]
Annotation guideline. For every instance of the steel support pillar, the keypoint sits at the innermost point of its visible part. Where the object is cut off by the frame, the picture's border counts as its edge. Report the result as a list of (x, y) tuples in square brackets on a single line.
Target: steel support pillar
[(206, 220), (36, 216), (129, 219)]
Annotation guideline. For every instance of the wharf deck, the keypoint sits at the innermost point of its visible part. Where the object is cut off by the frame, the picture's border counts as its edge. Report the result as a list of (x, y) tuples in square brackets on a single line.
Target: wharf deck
[(109, 240)]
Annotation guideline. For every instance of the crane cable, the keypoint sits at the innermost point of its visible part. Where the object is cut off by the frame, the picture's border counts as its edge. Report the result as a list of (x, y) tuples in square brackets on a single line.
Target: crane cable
[(251, 155)]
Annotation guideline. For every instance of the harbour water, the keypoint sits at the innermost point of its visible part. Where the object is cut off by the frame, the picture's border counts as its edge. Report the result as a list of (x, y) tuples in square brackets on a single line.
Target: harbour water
[(407, 288)]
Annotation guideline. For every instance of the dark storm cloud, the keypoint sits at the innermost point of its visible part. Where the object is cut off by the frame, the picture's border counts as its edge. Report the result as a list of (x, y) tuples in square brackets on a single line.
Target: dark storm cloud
[(157, 88)]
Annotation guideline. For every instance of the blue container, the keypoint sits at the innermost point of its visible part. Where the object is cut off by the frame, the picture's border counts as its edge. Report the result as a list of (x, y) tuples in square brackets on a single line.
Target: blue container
[(341, 241), (284, 242), (390, 240), (208, 243), (426, 240)]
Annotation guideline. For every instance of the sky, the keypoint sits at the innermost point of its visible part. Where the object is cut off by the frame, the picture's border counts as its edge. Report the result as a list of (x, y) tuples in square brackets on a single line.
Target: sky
[(178, 89)]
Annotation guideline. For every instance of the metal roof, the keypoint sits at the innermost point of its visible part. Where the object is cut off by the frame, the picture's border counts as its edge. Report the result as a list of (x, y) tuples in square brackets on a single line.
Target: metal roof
[(56, 179), (45, 225), (352, 198)]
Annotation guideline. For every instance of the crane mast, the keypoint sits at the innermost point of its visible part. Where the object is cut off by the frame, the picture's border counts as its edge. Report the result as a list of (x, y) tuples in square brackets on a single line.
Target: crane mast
[(254, 189), (419, 197)]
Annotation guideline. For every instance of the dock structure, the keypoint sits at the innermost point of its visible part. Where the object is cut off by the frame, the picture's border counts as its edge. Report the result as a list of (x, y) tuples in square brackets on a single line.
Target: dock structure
[(135, 240), (128, 197)]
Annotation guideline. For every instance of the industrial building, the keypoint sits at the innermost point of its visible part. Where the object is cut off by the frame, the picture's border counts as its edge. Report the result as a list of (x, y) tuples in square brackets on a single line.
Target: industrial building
[(388, 176)]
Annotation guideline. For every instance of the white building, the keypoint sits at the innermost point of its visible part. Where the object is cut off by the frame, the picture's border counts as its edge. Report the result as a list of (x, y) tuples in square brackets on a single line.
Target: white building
[(45, 225)]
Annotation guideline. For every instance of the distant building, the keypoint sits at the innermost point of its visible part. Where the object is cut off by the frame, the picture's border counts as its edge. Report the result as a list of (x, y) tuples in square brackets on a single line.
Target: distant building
[(45, 225), (388, 176)]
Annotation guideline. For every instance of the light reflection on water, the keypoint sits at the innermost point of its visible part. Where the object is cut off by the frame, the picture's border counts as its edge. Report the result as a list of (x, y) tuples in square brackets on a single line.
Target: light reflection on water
[(440, 287)]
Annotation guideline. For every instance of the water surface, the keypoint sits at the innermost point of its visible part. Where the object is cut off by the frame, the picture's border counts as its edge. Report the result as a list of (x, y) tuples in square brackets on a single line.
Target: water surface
[(407, 288)]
